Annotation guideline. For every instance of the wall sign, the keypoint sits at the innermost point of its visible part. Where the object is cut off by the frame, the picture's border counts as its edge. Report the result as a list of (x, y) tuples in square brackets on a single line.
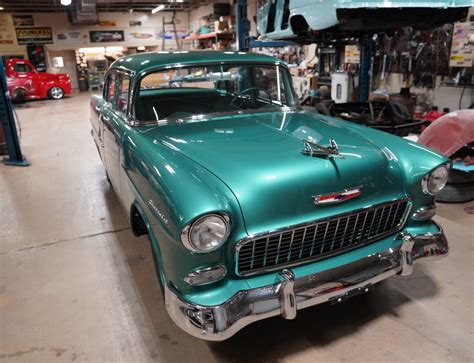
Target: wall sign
[(106, 36), (7, 32), (71, 37), (107, 23), (23, 20), (462, 53), (141, 35), (135, 23), (34, 35)]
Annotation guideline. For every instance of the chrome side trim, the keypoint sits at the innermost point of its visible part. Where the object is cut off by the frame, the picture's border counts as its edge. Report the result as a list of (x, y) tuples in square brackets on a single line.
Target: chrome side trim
[(288, 295), (316, 222)]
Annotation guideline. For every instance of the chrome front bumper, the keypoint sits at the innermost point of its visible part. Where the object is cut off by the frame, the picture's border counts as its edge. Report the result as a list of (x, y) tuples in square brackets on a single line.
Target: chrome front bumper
[(287, 294)]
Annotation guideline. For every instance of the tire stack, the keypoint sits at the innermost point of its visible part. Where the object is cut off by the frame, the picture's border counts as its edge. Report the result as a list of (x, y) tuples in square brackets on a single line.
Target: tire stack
[(459, 188)]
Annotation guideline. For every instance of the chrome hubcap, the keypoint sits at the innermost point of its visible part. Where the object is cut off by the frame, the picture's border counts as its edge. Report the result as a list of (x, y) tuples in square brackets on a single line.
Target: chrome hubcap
[(56, 93)]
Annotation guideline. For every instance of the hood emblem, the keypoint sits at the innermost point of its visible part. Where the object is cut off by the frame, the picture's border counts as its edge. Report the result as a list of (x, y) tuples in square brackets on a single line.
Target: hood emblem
[(337, 197), (313, 149)]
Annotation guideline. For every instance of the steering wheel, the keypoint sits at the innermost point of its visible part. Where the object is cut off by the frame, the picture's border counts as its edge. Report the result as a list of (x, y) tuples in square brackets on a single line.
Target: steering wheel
[(236, 97)]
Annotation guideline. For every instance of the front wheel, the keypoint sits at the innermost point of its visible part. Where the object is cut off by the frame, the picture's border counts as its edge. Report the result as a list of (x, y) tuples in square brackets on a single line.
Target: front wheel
[(56, 93)]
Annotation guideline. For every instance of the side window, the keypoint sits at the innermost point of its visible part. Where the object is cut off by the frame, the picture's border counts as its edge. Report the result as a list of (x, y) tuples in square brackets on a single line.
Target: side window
[(111, 88), (123, 90), (21, 68)]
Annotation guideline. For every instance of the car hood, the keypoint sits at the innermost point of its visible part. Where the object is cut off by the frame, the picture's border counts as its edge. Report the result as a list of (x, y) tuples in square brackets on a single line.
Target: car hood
[(258, 156)]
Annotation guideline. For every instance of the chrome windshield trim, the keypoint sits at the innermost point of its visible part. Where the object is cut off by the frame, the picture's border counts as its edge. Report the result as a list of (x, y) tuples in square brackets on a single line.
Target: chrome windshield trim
[(135, 89), (279, 231), (208, 116)]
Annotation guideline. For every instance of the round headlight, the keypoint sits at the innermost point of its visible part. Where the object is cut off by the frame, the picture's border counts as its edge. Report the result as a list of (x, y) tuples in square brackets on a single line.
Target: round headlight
[(207, 233), (433, 182)]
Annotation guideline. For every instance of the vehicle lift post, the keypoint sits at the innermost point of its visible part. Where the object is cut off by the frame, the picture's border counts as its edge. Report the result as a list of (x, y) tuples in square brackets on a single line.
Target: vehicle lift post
[(243, 26), (365, 68), (15, 156)]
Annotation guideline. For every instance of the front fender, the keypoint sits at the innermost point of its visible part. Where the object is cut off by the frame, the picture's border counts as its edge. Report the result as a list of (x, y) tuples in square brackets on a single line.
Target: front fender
[(171, 191), (414, 160)]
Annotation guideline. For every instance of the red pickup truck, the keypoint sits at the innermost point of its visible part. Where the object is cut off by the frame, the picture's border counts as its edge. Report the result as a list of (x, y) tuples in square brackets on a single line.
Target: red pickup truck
[(42, 85)]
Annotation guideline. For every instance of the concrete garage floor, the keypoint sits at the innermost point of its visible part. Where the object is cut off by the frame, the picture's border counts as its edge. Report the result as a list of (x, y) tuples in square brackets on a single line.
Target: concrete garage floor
[(75, 285)]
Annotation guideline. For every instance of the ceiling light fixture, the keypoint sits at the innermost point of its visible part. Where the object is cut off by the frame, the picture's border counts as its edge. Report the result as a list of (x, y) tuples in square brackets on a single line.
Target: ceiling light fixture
[(2, 8), (158, 8), (66, 2)]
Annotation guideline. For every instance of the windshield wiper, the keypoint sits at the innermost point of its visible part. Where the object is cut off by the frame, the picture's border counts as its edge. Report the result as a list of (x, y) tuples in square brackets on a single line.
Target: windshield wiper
[(313, 149)]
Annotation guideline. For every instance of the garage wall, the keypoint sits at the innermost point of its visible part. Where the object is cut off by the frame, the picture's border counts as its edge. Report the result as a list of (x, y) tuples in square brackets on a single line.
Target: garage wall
[(149, 33)]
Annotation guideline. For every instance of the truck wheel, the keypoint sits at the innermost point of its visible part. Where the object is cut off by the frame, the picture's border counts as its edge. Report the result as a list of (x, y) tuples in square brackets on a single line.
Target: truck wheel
[(18, 96), (56, 93)]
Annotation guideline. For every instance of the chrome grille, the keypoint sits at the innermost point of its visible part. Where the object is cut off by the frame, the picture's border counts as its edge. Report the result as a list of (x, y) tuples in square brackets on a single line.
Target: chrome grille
[(321, 238)]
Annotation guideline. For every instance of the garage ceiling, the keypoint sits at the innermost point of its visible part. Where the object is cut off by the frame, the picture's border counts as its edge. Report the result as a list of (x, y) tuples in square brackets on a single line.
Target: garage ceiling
[(18, 6)]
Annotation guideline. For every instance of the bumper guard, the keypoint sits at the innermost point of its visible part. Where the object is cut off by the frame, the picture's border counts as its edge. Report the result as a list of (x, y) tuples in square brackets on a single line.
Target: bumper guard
[(288, 294)]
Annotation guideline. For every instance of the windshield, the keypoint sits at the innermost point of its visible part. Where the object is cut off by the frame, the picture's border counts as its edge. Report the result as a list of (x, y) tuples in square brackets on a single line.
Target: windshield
[(181, 93)]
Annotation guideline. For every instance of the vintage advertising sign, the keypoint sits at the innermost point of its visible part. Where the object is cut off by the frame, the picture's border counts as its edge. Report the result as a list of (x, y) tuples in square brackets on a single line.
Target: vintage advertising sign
[(71, 37), (352, 54), (7, 32), (107, 23), (142, 34), (462, 53), (106, 36), (23, 20), (42, 35)]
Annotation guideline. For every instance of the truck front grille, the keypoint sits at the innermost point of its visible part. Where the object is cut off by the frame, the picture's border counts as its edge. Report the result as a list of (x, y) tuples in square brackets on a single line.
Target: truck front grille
[(320, 238)]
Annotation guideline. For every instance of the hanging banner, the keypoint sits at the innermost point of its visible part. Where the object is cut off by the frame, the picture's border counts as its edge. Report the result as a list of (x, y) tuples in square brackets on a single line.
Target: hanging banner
[(34, 35), (106, 36)]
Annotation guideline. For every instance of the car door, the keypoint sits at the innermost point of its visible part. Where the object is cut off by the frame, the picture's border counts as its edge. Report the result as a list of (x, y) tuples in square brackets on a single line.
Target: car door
[(113, 124)]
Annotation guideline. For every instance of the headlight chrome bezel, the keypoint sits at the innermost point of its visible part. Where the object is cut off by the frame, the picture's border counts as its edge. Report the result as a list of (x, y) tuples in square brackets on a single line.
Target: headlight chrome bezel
[(186, 233), (425, 181)]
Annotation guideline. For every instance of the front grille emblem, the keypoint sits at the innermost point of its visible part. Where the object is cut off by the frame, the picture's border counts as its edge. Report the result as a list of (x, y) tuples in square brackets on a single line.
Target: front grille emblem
[(338, 197)]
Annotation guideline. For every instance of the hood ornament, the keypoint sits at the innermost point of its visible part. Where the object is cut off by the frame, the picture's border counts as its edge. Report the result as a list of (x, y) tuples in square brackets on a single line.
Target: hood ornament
[(313, 149)]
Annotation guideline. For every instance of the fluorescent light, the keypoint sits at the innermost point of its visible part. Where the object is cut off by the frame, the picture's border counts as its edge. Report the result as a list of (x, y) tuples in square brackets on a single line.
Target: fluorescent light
[(158, 8), (65, 2)]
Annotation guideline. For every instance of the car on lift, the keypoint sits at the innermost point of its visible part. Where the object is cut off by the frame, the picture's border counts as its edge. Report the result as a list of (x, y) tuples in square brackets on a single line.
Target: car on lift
[(309, 20), (42, 84), (253, 206)]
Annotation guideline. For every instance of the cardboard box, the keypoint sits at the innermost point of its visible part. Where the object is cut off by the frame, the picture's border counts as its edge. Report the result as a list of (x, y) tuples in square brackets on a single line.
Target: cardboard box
[(220, 26)]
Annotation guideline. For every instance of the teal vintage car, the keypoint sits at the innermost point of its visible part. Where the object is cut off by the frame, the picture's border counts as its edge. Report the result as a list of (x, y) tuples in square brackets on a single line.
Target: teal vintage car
[(253, 206)]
